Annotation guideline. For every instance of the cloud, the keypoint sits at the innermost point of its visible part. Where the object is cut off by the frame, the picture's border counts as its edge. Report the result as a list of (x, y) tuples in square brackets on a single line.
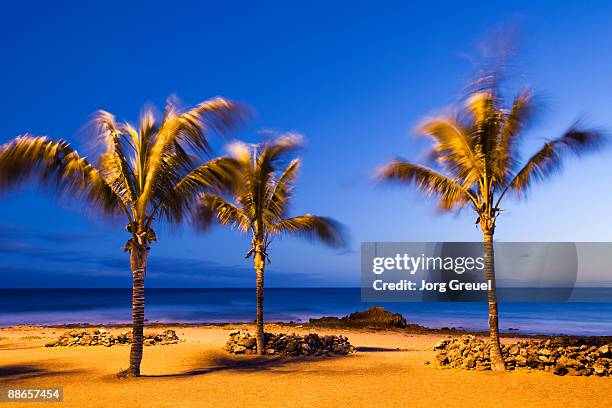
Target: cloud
[(25, 276), (8, 231), (36, 265), (347, 251)]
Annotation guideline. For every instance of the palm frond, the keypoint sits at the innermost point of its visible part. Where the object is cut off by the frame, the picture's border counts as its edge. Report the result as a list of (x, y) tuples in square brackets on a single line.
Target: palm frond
[(514, 123), (217, 175), (312, 227), (277, 203), (243, 189), (115, 170), (113, 164), (449, 192), (210, 208), (550, 157), (177, 131), (454, 147), (268, 157), (145, 138), (480, 104), (220, 114), (281, 147), (189, 127), (57, 164), (485, 126)]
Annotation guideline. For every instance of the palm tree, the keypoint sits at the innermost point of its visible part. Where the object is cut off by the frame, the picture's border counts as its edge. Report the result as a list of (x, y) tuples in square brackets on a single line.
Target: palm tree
[(477, 153), (261, 198), (143, 174)]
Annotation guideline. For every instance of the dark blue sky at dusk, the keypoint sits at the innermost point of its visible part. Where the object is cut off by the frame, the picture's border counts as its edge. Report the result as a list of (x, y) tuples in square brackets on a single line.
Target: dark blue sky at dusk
[(354, 77)]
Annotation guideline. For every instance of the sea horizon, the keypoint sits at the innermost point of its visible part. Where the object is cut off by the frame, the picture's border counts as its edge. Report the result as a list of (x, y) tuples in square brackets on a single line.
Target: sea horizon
[(112, 306)]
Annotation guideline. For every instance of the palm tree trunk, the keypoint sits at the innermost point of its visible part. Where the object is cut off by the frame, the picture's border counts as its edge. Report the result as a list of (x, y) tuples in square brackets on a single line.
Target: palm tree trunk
[(497, 360), (138, 263), (259, 294)]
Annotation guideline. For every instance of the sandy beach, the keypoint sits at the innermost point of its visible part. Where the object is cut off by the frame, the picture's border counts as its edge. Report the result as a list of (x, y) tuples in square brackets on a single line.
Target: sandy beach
[(389, 370)]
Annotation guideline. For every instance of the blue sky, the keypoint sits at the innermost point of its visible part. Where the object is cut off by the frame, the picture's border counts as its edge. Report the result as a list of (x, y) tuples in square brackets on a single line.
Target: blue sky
[(354, 78)]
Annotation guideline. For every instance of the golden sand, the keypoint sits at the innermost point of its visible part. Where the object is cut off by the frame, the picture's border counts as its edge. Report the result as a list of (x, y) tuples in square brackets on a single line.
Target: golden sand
[(389, 371)]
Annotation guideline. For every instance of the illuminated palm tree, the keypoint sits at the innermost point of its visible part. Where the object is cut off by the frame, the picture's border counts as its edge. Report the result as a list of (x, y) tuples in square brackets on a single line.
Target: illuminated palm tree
[(261, 198), (148, 174), (477, 153)]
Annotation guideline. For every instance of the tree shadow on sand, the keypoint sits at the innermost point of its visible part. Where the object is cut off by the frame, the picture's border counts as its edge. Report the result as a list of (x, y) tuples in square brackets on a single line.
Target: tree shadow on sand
[(224, 362), (247, 363), (378, 349), (20, 372)]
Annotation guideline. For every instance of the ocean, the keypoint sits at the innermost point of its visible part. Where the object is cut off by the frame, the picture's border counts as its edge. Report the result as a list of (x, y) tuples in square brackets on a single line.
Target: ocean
[(112, 306)]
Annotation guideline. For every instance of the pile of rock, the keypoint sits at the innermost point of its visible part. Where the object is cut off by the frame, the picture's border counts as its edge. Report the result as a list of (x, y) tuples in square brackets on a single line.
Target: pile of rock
[(290, 344), (375, 316), (560, 355), (102, 337)]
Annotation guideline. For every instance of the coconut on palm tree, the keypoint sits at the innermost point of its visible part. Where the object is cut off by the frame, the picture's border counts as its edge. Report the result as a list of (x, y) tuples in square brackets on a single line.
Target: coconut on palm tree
[(477, 162), (144, 175), (259, 205)]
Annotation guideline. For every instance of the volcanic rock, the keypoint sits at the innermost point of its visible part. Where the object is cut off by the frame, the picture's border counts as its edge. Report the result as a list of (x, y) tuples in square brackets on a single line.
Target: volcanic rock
[(561, 355), (290, 344)]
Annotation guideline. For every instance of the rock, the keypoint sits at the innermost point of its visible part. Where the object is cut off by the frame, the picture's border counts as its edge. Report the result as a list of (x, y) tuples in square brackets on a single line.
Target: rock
[(101, 337), (290, 344), (521, 361), (543, 359), (248, 342), (565, 362), (469, 362), (599, 369), (560, 355), (441, 344), (372, 317), (574, 371), (339, 348)]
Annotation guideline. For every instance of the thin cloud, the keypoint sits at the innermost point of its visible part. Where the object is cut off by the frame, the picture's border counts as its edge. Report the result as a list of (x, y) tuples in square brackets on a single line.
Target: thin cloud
[(9, 231), (78, 268)]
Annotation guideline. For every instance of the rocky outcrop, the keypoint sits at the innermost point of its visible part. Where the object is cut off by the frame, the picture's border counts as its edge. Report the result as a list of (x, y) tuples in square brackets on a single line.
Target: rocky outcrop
[(560, 355), (372, 317), (101, 337), (290, 344)]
